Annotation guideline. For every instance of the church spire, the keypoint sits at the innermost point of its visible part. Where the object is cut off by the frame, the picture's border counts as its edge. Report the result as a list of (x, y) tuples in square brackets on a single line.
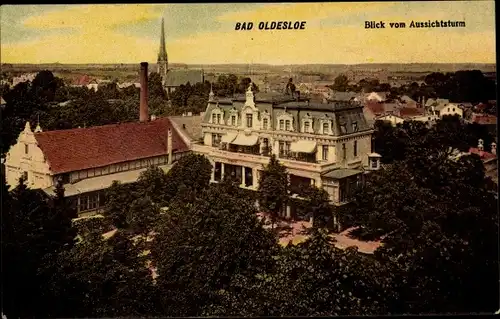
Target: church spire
[(162, 54)]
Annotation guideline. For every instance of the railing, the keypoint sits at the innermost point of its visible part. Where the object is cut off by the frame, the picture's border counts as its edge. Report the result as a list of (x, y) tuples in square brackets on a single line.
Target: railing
[(298, 157), (292, 163)]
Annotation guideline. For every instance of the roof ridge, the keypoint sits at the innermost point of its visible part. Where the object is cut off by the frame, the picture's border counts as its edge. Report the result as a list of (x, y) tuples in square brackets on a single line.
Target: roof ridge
[(103, 126)]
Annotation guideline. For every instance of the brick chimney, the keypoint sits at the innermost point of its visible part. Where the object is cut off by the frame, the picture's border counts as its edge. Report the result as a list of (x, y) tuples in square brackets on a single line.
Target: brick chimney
[(143, 110)]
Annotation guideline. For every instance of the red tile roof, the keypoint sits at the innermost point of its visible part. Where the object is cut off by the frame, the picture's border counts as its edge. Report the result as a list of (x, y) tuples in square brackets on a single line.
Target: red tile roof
[(484, 155), (376, 108), (83, 80), (484, 119), (83, 148), (410, 111)]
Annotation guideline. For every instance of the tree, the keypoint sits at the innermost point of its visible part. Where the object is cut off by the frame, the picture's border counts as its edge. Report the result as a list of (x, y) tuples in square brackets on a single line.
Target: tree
[(438, 223), (119, 198), (273, 188), (152, 183), (312, 279), (315, 205), (35, 230), (340, 83), (155, 86), (103, 277), (205, 246), (192, 172)]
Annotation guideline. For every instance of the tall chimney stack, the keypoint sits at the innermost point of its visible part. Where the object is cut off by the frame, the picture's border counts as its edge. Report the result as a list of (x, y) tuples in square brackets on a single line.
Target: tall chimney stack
[(143, 111)]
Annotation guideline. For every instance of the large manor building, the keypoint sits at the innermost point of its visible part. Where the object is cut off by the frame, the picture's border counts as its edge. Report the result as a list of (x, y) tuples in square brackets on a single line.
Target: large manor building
[(324, 144)]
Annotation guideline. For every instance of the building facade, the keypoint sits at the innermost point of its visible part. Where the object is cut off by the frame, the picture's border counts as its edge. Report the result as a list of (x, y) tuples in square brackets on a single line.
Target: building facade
[(323, 144), (88, 160)]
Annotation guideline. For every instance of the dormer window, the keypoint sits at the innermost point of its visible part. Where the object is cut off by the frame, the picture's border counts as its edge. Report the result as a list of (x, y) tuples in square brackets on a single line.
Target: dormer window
[(287, 125), (249, 120), (326, 128), (307, 127), (233, 120), (354, 126), (343, 128), (282, 125), (26, 149), (218, 118), (264, 124)]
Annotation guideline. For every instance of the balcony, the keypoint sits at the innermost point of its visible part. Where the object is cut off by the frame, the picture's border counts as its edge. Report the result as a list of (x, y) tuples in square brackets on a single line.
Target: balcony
[(301, 157), (252, 156)]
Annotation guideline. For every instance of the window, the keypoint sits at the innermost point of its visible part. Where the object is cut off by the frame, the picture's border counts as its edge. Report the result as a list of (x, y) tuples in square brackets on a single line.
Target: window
[(26, 148), (218, 118), (264, 124), (216, 139), (325, 128), (374, 163), (249, 120), (448, 109), (282, 125), (84, 203), (25, 176), (248, 177), (306, 127), (325, 152), (287, 125), (355, 148), (214, 118), (282, 147), (343, 128), (287, 147), (93, 201), (453, 109), (233, 120), (354, 126), (344, 153)]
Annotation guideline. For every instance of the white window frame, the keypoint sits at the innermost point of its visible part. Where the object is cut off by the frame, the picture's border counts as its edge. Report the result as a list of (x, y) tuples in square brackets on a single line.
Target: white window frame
[(285, 117), (323, 153), (219, 116), (265, 117), (249, 116)]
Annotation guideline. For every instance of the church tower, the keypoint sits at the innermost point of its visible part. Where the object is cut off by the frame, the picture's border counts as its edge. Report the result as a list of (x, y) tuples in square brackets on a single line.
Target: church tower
[(162, 54)]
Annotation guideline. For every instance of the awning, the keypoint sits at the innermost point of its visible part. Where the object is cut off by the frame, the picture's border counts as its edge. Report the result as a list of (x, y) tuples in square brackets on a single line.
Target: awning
[(342, 173), (303, 146), (228, 138), (245, 140)]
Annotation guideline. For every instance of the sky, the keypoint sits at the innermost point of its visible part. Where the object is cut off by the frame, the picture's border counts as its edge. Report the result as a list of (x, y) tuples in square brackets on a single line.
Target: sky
[(205, 33)]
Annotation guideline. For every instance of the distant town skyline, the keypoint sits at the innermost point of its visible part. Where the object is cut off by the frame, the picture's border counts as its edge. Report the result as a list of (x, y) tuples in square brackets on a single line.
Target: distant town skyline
[(204, 33)]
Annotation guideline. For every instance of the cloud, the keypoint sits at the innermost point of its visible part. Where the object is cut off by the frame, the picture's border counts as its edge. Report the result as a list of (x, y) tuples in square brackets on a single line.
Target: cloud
[(302, 11), (94, 16), (93, 37), (332, 45), (83, 47)]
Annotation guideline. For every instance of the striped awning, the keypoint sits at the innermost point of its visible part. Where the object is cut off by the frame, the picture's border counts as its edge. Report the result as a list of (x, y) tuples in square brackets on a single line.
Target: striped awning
[(303, 146), (228, 138), (245, 140)]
